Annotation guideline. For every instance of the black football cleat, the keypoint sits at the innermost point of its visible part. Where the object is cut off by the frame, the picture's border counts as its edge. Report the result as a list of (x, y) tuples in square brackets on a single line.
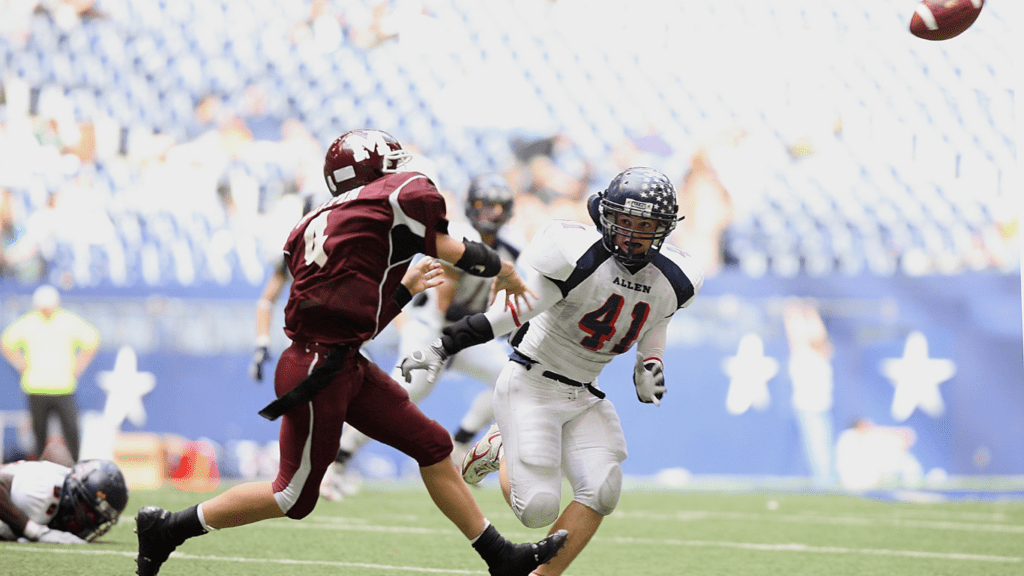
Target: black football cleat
[(155, 544), (522, 559)]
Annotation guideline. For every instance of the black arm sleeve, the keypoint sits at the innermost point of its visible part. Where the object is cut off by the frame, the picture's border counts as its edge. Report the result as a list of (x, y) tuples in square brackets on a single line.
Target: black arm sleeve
[(469, 331), (479, 260)]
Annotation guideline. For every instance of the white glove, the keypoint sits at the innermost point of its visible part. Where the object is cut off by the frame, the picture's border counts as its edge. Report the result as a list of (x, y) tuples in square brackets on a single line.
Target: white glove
[(59, 537), (649, 380), (431, 359)]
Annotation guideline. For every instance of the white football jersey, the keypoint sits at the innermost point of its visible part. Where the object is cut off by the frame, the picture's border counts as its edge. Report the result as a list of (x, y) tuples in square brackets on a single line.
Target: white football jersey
[(605, 309), (35, 490)]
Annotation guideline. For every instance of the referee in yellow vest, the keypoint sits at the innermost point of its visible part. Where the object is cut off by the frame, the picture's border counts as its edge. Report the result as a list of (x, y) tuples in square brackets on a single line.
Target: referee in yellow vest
[(50, 347)]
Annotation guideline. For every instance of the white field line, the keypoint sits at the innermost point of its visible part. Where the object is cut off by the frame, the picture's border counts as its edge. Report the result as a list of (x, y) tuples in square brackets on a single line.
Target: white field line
[(693, 515), (795, 547), (752, 546), (85, 550), (359, 525)]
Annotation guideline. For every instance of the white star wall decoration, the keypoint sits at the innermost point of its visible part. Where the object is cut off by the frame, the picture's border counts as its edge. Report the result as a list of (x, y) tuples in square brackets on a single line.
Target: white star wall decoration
[(916, 378), (125, 386), (749, 372)]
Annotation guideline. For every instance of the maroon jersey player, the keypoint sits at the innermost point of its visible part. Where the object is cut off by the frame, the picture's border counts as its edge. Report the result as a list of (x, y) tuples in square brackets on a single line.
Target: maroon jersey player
[(350, 259), (347, 253)]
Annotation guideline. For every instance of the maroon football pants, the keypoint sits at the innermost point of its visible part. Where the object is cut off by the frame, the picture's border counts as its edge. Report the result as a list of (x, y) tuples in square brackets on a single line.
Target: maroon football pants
[(361, 394)]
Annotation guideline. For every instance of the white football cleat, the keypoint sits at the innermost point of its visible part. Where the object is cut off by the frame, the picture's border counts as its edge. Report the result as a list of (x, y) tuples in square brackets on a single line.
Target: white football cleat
[(484, 458), (339, 482)]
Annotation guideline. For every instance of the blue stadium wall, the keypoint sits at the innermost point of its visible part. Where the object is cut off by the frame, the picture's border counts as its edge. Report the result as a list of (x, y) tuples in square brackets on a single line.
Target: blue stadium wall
[(972, 319)]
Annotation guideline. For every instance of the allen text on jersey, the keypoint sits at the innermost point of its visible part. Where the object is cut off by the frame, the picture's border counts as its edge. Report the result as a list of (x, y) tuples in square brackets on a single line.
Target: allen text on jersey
[(630, 286)]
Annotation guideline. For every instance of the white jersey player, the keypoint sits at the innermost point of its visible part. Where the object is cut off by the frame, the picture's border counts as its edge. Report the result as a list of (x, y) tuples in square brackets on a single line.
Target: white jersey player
[(43, 501), (600, 291), (488, 207)]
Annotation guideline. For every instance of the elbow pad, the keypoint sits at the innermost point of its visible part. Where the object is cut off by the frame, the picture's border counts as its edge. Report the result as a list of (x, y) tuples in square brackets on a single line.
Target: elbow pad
[(469, 331), (479, 260)]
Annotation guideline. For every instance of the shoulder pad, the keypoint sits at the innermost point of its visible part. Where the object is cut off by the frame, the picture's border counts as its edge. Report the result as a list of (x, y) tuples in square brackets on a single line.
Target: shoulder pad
[(512, 237), (692, 269), (557, 246)]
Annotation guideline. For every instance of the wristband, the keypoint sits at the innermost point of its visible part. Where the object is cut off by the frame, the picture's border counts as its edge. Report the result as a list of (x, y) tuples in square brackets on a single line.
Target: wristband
[(402, 296), (262, 341)]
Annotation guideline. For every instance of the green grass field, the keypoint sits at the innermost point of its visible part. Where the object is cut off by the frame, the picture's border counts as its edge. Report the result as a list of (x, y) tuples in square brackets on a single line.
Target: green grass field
[(394, 529)]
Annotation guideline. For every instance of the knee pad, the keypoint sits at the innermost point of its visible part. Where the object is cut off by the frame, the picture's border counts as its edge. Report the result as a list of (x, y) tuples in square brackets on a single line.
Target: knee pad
[(606, 498), (540, 510)]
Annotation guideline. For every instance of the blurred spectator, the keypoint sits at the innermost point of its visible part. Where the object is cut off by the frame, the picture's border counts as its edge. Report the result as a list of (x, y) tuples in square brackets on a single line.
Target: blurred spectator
[(368, 25), (257, 116), (810, 371), (708, 208), (323, 28), (68, 14), (29, 245), (50, 347), (206, 116), (869, 456), (16, 20), (11, 230)]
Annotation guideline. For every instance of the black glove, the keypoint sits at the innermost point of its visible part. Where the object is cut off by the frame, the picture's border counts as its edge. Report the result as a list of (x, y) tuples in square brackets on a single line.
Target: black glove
[(258, 358)]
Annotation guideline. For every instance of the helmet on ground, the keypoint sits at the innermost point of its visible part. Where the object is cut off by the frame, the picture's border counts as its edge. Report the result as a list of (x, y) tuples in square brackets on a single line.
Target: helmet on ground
[(489, 203), (92, 499), (640, 193), (359, 157)]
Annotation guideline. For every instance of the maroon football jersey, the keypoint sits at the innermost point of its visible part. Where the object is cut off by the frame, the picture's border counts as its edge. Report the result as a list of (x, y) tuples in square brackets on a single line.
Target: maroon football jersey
[(348, 256)]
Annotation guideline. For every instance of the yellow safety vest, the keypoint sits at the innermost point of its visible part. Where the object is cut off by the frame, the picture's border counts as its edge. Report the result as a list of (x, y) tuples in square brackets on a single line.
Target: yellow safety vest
[(50, 347)]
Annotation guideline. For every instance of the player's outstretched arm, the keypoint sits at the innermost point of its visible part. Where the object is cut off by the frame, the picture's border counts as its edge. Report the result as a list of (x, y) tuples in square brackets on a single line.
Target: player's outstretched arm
[(479, 259)]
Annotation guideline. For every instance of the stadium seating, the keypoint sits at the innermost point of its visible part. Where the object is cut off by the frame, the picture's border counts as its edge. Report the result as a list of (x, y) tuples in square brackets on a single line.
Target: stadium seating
[(911, 157)]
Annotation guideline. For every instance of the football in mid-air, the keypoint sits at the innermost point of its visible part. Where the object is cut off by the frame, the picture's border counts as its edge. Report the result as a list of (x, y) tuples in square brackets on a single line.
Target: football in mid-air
[(944, 19)]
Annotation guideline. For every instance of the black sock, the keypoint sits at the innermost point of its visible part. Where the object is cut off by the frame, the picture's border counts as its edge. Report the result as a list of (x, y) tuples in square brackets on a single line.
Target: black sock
[(463, 436), (490, 544), (185, 524), (342, 457)]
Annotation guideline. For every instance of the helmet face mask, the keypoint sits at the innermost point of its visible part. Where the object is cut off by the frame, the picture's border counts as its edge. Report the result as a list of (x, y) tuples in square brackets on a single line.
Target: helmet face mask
[(92, 499), (639, 193), (489, 202), (359, 157)]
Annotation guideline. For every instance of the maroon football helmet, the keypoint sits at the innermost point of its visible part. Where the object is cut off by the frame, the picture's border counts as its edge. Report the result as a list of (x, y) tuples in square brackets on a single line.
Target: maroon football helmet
[(359, 157)]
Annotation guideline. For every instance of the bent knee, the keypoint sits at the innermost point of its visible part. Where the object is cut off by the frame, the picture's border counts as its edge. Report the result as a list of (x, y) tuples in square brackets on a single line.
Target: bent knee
[(300, 510), (606, 497), (540, 510)]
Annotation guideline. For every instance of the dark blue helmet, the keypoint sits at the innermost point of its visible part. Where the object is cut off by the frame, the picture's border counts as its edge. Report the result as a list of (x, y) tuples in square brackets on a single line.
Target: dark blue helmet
[(92, 499), (641, 193), (489, 203)]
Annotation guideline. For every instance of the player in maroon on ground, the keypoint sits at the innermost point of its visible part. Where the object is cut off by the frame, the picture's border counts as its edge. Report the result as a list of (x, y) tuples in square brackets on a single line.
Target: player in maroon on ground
[(350, 259)]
